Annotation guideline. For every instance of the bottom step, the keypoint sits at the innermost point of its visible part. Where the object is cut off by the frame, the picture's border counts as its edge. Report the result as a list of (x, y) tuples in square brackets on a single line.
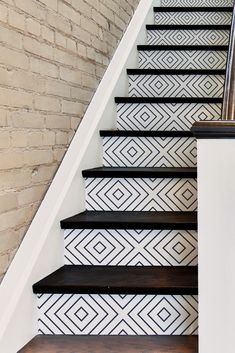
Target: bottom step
[(104, 344)]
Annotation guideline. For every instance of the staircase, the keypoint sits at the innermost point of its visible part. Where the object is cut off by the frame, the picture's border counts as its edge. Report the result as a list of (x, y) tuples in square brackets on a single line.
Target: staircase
[(129, 283)]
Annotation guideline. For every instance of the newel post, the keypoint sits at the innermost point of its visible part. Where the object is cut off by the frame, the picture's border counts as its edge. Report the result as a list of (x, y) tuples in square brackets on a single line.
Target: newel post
[(216, 235)]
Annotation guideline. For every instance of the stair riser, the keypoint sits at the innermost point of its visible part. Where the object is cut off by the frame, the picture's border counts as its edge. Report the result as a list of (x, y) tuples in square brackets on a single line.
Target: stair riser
[(199, 3), (193, 18), (188, 37), (166, 117), (117, 315), (193, 86), (168, 59), (110, 247), (149, 152), (136, 194)]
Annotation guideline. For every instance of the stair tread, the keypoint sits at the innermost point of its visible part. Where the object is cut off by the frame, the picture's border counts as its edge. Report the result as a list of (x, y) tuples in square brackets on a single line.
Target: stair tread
[(131, 220), (166, 100), (120, 280), (140, 172), (193, 9), (188, 27), (174, 72), (183, 47), (142, 133), (112, 344)]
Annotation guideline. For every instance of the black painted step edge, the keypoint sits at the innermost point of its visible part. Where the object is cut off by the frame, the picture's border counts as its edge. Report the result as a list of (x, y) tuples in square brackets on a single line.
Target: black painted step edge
[(174, 72), (139, 172), (193, 9), (55, 283), (188, 27), (182, 47), (221, 129), (139, 133), (165, 100), (131, 220)]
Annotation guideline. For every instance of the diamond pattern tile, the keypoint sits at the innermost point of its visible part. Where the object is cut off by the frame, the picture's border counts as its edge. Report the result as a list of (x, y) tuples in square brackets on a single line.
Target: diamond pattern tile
[(192, 18), (187, 37), (130, 247), (170, 116), (117, 314), (112, 194), (149, 152), (176, 85), (186, 60)]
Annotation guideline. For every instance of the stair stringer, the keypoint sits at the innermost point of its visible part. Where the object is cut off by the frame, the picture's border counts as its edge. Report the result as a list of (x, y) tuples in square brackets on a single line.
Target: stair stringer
[(41, 251)]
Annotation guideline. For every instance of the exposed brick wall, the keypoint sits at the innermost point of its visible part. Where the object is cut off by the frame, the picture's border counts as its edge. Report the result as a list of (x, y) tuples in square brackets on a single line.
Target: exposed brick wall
[(53, 54)]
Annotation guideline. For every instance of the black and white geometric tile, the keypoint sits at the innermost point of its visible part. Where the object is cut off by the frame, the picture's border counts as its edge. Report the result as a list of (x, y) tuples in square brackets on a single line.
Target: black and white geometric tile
[(149, 152), (167, 117), (176, 85), (110, 247), (183, 59), (197, 3), (76, 314), (187, 37), (194, 18), (136, 194)]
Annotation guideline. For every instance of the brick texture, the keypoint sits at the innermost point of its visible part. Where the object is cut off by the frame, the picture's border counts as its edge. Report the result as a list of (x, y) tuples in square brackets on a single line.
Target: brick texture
[(53, 55)]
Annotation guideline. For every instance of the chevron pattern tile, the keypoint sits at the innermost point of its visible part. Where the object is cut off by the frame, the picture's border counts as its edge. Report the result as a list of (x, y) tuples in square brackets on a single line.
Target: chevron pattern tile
[(194, 18), (199, 3), (75, 314), (149, 152), (187, 37), (176, 85), (130, 247), (164, 116), (113, 194), (185, 59)]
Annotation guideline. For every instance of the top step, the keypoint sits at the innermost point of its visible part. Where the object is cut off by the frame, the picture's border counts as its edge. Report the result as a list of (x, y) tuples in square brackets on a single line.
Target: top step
[(193, 9)]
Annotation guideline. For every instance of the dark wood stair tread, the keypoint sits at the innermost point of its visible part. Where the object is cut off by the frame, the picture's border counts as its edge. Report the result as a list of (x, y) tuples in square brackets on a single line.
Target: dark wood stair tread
[(139, 172), (120, 280), (131, 220), (193, 9), (166, 100), (112, 344), (182, 47), (188, 27), (142, 133), (175, 72)]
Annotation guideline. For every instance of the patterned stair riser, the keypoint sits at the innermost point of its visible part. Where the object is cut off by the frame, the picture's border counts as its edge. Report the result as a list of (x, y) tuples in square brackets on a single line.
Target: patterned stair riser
[(76, 314), (188, 59), (167, 117), (193, 18), (192, 86), (110, 247), (187, 37), (197, 3), (136, 194), (149, 152)]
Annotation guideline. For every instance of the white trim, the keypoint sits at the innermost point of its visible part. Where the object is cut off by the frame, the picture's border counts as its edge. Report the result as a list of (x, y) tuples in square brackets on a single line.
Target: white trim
[(41, 252)]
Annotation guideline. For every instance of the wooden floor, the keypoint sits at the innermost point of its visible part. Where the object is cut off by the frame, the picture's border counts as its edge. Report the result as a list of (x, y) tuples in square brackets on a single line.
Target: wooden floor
[(112, 344)]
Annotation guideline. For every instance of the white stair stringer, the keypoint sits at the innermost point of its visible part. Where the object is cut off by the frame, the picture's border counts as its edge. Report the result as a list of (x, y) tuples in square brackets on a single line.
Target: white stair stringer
[(187, 37), (168, 116), (194, 18), (188, 85), (149, 152), (94, 314), (141, 194), (120, 247), (182, 59)]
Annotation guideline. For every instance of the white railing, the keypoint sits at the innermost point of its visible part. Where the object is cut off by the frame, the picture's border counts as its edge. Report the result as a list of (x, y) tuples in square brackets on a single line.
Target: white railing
[(41, 251)]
